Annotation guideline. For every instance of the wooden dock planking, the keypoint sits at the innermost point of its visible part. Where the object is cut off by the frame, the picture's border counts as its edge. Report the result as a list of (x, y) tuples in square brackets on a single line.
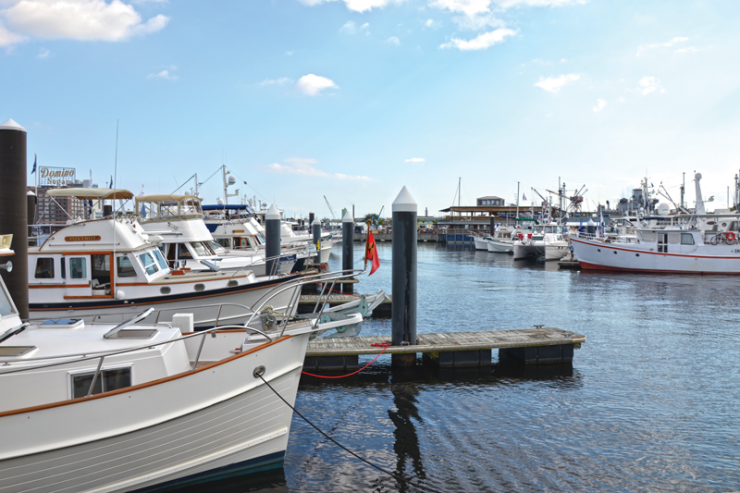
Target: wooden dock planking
[(447, 342)]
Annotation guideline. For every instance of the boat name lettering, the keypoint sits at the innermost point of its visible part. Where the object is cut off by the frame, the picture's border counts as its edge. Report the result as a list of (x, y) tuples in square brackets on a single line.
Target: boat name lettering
[(82, 238)]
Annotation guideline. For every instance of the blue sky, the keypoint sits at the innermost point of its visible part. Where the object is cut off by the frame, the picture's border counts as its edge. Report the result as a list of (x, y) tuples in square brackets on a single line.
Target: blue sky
[(353, 99)]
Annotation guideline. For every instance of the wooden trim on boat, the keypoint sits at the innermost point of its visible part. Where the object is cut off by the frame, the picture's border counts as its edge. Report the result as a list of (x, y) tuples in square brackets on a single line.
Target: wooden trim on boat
[(142, 385), (50, 286), (99, 296)]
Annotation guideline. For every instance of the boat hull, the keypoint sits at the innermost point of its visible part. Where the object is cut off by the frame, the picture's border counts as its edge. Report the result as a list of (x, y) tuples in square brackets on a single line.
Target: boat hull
[(594, 255), (480, 243), (115, 311), (209, 422), (556, 251), (500, 246)]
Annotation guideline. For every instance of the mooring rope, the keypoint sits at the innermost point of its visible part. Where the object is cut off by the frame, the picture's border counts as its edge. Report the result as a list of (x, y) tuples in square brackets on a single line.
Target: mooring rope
[(395, 476), (384, 345)]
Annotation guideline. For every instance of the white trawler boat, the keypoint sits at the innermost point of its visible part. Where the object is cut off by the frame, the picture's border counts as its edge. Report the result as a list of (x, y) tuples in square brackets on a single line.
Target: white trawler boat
[(117, 408), (110, 268), (187, 241), (545, 241), (696, 243)]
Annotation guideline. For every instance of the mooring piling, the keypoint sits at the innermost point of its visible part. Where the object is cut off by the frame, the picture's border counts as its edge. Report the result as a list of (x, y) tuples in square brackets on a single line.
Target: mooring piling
[(13, 216), (272, 239), (348, 239), (316, 228), (30, 210), (404, 276)]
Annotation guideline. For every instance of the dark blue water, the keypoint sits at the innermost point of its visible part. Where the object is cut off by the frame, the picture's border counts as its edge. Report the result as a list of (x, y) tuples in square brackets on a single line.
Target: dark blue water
[(650, 403)]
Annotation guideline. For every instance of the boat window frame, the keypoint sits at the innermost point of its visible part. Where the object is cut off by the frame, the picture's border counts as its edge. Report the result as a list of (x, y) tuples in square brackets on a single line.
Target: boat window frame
[(91, 371), (52, 272), (119, 274), (688, 235), (159, 258), (10, 303), (146, 266), (84, 267)]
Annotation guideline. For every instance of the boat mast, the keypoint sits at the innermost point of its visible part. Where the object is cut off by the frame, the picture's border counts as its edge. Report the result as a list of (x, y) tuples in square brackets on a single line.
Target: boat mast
[(516, 219)]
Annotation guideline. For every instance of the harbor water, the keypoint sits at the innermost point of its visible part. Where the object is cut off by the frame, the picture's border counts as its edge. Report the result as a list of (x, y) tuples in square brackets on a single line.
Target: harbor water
[(650, 403)]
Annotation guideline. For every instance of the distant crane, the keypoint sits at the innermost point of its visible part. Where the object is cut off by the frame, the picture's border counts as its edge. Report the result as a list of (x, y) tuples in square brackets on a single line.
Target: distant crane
[(576, 200), (333, 216)]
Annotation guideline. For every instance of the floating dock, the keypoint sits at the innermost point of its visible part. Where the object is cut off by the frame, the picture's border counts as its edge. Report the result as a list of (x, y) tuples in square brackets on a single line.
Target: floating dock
[(569, 264), (541, 345), (307, 302)]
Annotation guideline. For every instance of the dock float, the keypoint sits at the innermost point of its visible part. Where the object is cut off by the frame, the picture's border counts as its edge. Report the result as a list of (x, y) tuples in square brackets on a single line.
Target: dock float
[(569, 264), (541, 345), (307, 302)]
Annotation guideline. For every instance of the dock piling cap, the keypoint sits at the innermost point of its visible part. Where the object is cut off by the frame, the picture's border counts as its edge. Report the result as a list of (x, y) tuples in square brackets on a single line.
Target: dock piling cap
[(11, 124), (347, 218), (272, 213), (405, 202), (316, 221)]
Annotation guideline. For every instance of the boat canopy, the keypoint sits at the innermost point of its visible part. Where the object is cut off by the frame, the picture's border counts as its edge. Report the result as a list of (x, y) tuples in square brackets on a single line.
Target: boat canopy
[(91, 193), (228, 207), (166, 198)]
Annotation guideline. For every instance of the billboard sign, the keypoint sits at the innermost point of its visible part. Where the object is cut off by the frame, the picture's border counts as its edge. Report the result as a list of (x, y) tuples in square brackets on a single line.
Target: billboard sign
[(56, 177)]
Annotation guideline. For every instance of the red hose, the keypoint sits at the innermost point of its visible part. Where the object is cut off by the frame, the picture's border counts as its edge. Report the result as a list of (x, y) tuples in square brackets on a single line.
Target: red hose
[(384, 345)]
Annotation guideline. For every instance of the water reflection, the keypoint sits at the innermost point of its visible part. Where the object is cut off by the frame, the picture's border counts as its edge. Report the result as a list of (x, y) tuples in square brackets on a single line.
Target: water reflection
[(406, 446)]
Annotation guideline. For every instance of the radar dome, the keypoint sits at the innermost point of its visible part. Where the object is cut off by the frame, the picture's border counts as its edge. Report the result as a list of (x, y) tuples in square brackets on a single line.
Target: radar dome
[(663, 209)]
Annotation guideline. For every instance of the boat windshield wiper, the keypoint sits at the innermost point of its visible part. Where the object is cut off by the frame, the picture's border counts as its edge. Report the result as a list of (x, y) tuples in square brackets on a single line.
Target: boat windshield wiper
[(11, 332)]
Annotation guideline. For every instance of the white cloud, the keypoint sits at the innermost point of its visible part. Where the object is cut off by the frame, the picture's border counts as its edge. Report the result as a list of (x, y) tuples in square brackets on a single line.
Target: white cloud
[(688, 49), (350, 27), (622, 100), (554, 84), (667, 44), (416, 160), (289, 53), (355, 5), (649, 85), (600, 105), (43, 53), (429, 23), (305, 167), (276, 82), (393, 40), (481, 42), (80, 19), (312, 85), (8, 38), (478, 14), (164, 74)]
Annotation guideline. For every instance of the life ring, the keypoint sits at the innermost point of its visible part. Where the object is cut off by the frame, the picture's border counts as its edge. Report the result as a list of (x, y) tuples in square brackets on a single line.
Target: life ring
[(730, 236)]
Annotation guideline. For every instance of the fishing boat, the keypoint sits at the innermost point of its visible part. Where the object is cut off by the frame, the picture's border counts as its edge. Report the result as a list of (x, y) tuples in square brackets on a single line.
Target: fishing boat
[(502, 240), (546, 241), (110, 267), (116, 408)]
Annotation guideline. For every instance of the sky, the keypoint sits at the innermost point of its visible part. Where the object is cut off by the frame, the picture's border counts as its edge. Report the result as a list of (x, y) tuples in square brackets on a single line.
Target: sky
[(353, 99)]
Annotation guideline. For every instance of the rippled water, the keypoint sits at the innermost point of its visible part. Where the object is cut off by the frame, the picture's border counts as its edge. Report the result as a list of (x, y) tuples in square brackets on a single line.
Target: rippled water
[(650, 403)]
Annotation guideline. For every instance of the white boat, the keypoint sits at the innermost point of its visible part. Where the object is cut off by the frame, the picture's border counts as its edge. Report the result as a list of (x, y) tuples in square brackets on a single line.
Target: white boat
[(70, 274), (502, 240), (546, 241), (106, 408), (481, 241)]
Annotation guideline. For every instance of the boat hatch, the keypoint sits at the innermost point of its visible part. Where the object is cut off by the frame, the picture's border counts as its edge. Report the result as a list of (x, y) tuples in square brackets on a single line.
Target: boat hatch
[(134, 334), (15, 350), (62, 323)]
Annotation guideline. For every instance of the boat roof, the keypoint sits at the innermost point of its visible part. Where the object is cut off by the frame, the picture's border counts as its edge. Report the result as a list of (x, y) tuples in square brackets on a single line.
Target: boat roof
[(227, 207), (91, 193), (166, 198)]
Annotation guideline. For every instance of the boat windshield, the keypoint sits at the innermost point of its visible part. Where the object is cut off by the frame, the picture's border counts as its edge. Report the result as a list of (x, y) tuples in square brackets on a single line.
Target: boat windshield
[(160, 259), (6, 306), (150, 265)]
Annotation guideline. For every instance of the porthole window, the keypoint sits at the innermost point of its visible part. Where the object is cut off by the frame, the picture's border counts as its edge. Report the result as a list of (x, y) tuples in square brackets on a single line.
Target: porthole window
[(232, 283), (598, 249), (165, 290), (199, 287), (637, 255), (615, 253)]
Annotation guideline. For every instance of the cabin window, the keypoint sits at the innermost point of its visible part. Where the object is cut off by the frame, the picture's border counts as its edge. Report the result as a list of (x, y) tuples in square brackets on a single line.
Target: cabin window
[(148, 262), (183, 252), (674, 238), (199, 287), (224, 242), (200, 249), (216, 247), (63, 268), (648, 236), (78, 268), (125, 267), (108, 379), (44, 268), (261, 239), (687, 239), (160, 259), (101, 268)]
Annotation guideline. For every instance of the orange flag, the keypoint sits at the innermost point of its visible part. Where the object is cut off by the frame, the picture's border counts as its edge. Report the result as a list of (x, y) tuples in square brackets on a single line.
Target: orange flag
[(371, 253)]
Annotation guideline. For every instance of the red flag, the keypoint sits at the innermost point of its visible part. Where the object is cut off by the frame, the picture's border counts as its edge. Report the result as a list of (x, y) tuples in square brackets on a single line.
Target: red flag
[(371, 253)]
